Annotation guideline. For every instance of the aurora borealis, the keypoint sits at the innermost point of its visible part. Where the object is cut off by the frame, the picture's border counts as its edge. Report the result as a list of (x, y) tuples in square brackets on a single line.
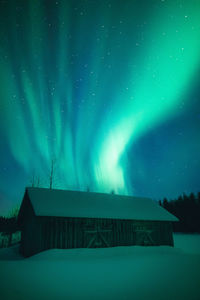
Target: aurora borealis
[(107, 89)]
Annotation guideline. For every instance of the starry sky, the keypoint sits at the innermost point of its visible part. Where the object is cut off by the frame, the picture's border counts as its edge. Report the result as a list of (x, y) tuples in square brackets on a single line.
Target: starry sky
[(109, 90)]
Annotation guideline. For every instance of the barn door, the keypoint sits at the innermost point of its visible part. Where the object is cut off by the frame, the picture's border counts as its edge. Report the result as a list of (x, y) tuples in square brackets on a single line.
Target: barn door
[(96, 237), (143, 235)]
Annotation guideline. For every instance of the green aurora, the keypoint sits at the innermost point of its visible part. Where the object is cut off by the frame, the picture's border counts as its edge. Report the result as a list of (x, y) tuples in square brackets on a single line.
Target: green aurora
[(82, 82)]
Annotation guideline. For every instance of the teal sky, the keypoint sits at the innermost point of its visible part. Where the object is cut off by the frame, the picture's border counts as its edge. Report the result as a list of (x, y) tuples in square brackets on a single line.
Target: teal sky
[(109, 90)]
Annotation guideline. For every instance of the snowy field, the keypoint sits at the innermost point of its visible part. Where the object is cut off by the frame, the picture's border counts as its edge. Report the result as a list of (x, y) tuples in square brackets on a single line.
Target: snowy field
[(120, 273)]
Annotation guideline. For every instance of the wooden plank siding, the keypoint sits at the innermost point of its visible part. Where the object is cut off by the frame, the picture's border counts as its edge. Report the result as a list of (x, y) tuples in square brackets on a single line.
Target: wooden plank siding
[(58, 232)]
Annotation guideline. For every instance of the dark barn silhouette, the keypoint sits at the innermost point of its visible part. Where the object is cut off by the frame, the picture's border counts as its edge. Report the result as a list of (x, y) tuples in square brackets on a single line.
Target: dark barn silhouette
[(51, 218)]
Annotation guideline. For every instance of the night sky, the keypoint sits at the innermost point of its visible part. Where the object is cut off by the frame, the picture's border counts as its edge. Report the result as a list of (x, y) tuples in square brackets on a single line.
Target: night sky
[(108, 90)]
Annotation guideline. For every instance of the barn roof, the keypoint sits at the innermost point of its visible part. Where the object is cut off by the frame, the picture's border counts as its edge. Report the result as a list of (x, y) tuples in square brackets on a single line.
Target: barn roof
[(62, 203)]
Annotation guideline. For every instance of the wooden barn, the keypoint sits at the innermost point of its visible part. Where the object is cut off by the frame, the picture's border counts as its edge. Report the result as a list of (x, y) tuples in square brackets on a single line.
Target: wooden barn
[(51, 218)]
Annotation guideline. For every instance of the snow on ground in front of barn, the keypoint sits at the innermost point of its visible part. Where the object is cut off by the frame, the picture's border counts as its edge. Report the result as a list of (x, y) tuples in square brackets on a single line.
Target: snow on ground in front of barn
[(119, 273)]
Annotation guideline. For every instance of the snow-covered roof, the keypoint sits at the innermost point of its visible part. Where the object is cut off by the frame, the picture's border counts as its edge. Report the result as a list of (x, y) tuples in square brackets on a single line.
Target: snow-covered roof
[(63, 203)]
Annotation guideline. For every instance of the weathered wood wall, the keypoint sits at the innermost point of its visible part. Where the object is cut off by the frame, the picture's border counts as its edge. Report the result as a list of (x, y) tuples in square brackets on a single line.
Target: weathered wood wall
[(56, 232), (42, 233)]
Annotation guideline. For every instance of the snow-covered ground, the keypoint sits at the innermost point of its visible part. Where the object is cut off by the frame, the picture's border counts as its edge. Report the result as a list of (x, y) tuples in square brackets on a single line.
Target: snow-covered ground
[(189, 243), (120, 273)]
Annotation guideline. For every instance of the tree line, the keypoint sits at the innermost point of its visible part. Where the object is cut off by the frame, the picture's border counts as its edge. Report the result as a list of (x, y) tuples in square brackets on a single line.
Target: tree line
[(187, 209), (8, 226)]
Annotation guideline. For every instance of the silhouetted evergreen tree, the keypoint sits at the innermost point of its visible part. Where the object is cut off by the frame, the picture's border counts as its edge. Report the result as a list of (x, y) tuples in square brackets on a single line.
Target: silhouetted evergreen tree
[(198, 197), (165, 203)]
